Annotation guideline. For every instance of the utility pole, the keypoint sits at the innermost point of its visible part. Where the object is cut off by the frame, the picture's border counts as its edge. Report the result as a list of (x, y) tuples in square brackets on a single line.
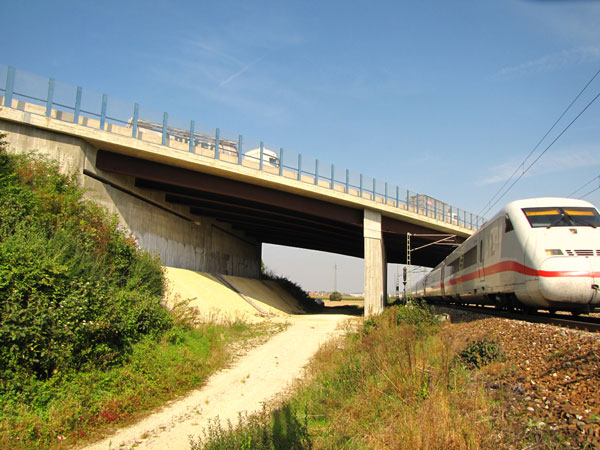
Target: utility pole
[(404, 278), (335, 278), (406, 270), (397, 284)]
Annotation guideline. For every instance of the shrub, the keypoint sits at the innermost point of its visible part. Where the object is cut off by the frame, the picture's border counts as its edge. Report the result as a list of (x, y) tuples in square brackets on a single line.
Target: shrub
[(480, 353), (75, 290), (335, 297), (417, 313)]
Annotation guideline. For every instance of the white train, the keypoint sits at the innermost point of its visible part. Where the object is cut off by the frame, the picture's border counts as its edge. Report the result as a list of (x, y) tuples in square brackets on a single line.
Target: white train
[(541, 253)]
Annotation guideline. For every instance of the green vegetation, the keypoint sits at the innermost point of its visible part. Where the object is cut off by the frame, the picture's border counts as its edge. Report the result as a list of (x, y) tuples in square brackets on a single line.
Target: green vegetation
[(84, 340), (335, 297), (75, 406), (76, 291), (280, 430), (395, 383), (480, 353)]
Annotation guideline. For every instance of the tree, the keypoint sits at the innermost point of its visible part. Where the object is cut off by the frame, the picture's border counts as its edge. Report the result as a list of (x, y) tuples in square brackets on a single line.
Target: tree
[(335, 297)]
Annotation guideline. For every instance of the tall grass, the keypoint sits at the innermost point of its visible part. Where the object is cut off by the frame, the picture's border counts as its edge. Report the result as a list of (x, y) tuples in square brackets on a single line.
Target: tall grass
[(393, 384)]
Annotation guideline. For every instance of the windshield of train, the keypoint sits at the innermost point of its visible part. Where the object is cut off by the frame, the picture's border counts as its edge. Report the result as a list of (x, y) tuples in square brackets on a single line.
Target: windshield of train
[(562, 217)]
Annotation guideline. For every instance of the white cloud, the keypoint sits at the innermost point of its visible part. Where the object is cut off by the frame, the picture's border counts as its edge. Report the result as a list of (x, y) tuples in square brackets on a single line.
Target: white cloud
[(554, 61), (562, 160), (240, 72)]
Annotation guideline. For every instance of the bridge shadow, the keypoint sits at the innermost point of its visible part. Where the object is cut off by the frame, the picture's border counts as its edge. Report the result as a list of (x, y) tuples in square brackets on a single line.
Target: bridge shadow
[(350, 310), (348, 307)]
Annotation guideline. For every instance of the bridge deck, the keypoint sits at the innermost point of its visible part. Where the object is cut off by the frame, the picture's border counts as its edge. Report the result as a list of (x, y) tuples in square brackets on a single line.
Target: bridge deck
[(148, 145)]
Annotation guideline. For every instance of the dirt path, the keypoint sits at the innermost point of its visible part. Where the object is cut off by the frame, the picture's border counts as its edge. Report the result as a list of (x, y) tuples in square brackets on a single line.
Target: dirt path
[(253, 379)]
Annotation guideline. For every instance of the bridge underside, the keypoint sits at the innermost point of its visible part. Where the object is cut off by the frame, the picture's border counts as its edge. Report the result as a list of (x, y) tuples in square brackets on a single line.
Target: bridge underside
[(274, 216)]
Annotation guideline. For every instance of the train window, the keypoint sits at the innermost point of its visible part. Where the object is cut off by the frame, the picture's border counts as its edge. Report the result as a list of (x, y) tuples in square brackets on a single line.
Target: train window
[(470, 257), (562, 217), (508, 226), (453, 266)]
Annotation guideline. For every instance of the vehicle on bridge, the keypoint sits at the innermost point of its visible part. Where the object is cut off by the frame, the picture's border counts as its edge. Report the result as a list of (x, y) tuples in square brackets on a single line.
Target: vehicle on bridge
[(226, 146), (541, 253), (269, 156)]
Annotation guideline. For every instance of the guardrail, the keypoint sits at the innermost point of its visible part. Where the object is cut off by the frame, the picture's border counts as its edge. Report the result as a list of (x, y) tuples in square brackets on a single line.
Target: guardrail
[(46, 96)]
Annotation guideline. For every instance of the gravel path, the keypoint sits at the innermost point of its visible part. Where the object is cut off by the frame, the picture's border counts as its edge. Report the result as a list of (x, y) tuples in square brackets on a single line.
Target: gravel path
[(262, 374)]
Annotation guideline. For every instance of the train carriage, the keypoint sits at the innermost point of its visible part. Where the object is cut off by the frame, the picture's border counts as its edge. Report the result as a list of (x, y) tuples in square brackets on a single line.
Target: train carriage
[(539, 253)]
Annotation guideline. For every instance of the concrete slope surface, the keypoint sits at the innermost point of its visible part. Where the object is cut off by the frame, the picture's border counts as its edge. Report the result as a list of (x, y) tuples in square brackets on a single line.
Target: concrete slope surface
[(225, 297), (262, 374), (264, 293)]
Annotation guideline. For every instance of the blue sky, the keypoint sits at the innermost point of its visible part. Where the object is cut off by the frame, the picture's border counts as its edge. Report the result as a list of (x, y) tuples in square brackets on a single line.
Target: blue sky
[(443, 98)]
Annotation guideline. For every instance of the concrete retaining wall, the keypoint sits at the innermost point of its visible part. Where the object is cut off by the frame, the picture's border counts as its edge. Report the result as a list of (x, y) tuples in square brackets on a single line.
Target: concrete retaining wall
[(181, 240)]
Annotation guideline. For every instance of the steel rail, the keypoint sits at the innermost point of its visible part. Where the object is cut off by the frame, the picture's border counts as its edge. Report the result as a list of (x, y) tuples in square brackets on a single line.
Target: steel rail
[(580, 323)]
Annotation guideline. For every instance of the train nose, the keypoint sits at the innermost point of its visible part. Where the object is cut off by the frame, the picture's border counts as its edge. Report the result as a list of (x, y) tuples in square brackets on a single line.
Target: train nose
[(570, 280)]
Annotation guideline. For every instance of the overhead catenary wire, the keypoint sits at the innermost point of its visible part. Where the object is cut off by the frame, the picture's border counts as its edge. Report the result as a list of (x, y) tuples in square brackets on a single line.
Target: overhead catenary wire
[(593, 190), (586, 185), (546, 149), (489, 204)]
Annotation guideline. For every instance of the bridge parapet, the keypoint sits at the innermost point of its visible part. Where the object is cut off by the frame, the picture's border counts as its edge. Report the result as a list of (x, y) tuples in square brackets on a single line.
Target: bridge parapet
[(41, 96)]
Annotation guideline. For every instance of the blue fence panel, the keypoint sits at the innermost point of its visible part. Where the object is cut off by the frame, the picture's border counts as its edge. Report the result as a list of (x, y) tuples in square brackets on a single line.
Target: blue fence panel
[(289, 164), (91, 105), (251, 152), (64, 102), (30, 88), (325, 174), (119, 116), (308, 168), (3, 74)]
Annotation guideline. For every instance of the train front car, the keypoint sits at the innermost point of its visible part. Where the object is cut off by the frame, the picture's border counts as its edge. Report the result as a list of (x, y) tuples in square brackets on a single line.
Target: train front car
[(560, 239)]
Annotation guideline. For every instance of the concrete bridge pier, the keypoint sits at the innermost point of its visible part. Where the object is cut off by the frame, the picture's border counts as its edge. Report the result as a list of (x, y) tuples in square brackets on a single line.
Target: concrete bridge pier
[(375, 264)]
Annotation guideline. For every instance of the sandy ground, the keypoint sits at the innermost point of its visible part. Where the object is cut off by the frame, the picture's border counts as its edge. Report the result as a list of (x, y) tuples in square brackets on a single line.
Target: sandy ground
[(262, 374), (225, 298)]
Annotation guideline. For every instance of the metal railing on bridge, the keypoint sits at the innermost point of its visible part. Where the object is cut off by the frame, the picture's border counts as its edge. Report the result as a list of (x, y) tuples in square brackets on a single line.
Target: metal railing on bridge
[(46, 96)]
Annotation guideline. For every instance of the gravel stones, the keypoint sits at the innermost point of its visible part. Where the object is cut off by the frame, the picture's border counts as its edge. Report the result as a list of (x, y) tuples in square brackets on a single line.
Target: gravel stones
[(550, 377)]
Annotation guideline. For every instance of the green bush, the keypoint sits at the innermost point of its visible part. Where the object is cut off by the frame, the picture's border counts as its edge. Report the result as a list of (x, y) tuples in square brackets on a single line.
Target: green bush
[(480, 353), (75, 289), (335, 297), (417, 313)]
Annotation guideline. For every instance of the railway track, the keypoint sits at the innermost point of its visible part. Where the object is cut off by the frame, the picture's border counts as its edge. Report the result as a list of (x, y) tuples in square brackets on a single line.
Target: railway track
[(562, 320)]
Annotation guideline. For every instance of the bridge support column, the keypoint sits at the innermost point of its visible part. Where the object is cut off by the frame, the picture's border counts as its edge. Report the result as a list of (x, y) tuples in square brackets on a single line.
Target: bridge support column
[(375, 264)]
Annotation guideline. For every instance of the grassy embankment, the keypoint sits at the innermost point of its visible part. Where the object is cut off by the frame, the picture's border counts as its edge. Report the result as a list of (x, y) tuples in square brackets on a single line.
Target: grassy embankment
[(395, 383), (84, 341)]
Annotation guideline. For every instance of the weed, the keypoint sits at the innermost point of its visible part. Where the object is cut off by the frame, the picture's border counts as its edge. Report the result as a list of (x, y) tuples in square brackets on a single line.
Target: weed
[(279, 430), (480, 353)]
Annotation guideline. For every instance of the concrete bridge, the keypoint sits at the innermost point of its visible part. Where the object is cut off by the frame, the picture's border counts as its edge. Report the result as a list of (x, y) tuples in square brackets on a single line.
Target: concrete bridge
[(204, 204)]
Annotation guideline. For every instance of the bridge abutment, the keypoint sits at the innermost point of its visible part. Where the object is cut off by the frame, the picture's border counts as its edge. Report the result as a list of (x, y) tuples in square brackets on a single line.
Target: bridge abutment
[(375, 262), (180, 239)]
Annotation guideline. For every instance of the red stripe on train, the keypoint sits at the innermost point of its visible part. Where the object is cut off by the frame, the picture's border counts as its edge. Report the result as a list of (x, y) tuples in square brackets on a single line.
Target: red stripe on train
[(513, 266)]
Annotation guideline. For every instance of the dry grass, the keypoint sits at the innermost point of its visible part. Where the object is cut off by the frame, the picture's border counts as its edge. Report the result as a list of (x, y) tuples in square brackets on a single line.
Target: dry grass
[(394, 385)]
